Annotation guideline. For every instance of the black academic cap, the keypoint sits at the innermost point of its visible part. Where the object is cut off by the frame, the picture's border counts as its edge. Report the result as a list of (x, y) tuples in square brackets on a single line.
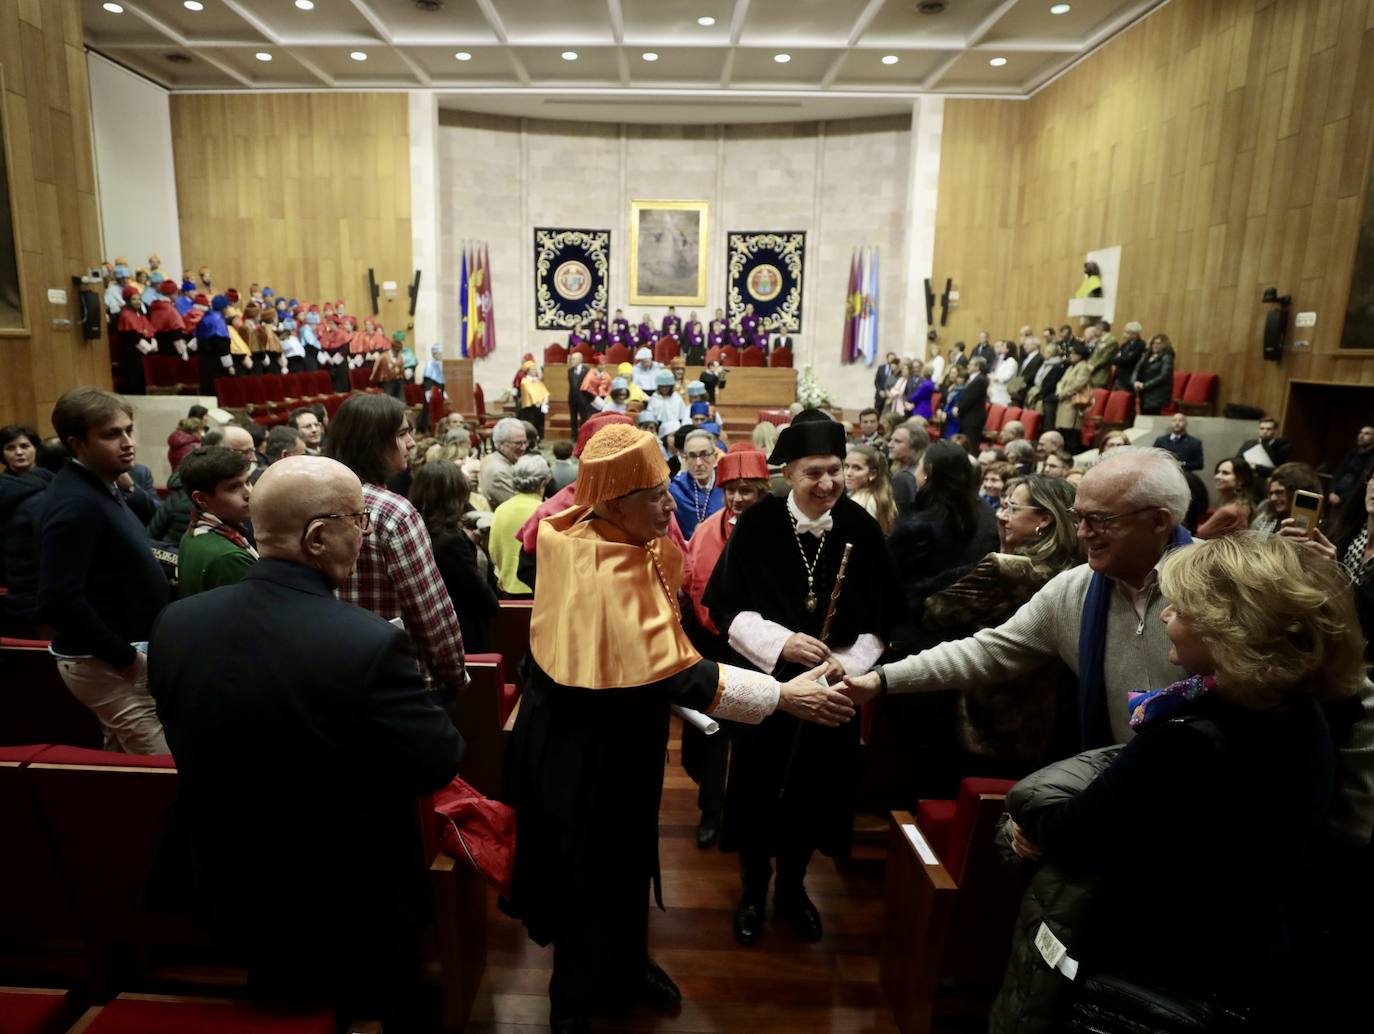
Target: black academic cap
[(808, 437)]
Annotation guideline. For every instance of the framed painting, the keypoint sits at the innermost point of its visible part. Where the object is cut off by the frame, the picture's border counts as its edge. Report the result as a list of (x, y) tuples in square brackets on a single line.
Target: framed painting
[(11, 278), (668, 242)]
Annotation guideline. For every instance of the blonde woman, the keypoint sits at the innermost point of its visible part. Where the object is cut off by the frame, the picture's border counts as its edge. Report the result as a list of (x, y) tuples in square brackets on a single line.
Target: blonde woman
[(868, 484), (1241, 744)]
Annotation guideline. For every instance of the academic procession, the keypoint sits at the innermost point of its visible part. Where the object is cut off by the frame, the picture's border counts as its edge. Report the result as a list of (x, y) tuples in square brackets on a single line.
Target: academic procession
[(686, 515)]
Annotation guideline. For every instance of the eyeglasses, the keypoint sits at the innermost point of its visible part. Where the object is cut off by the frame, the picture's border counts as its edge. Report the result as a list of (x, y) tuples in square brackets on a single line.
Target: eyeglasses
[(1098, 521), (363, 519), (1012, 509), (694, 457)]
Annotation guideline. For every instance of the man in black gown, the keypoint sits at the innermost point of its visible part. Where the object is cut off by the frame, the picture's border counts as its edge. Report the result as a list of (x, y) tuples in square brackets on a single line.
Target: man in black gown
[(791, 790), (609, 658)]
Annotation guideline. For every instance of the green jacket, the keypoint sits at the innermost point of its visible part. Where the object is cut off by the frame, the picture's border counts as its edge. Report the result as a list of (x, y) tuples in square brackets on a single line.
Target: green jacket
[(173, 517), (1102, 358), (208, 561)]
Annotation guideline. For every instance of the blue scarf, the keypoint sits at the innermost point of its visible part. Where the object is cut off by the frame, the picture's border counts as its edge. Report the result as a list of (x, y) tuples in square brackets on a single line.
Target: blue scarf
[(1155, 705), (1094, 727)]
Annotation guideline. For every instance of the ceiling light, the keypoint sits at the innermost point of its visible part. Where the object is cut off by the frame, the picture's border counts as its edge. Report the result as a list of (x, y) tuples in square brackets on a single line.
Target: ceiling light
[(706, 20), (358, 55), (998, 62), (782, 59), (113, 8), (306, 5), (569, 55), (1060, 8), (649, 55), (263, 55), (890, 59), (193, 5), (463, 55)]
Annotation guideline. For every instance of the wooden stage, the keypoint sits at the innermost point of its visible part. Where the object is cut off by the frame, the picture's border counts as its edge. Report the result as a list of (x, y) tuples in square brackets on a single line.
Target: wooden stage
[(747, 390), (779, 985)]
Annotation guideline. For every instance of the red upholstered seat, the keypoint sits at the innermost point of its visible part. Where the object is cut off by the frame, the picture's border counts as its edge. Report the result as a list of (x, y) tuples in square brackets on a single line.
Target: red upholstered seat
[(1013, 413), (997, 414), (189, 376), (360, 378), (415, 395), (438, 408), (752, 357), (318, 383), (32, 1010), (781, 358), (1118, 408), (41, 708), (273, 387), (34, 901), (666, 350), (1200, 391), (229, 392), (729, 355), (617, 354), (85, 757), (133, 1015), (1031, 420), (556, 353), (1181, 381), (332, 404), (713, 354), (781, 417), (936, 819)]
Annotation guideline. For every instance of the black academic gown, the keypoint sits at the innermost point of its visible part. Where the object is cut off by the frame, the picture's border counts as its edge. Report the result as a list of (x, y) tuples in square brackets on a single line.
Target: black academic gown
[(761, 570), (585, 774)]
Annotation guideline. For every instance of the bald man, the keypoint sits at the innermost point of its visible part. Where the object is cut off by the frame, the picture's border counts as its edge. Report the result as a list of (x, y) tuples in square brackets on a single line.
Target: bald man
[(303, 729)]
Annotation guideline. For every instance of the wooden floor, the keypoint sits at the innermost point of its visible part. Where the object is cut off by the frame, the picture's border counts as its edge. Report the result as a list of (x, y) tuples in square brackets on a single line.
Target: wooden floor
[(779, 985)]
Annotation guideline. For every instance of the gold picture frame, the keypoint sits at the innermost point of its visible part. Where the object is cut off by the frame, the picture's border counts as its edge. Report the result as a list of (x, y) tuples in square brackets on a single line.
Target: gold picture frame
[(669, 245), (13, 321)]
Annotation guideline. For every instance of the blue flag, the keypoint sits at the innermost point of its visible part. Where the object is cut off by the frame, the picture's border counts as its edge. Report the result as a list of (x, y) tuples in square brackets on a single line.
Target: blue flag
[(463, 305)]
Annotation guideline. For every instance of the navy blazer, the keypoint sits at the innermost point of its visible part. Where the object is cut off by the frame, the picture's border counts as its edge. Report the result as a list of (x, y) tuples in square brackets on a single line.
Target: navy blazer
[(99, 585), (1187, 448), (304, 734)]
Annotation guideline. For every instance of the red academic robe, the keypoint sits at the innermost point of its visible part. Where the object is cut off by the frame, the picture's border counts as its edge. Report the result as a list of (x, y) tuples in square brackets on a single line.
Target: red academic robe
[(703, 552)]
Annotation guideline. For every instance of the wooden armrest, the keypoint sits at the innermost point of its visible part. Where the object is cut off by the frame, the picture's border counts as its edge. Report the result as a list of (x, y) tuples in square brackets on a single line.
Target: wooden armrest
[(514, 713)]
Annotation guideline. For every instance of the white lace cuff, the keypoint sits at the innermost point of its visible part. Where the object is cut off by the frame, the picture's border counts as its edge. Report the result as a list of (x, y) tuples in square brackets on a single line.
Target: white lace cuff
[(745, 696), (859, 658), (757, 639)]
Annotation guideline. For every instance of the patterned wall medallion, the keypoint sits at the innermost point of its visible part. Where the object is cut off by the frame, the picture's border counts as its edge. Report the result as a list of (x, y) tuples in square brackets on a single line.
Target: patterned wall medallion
[(764, 269), (571, 276)]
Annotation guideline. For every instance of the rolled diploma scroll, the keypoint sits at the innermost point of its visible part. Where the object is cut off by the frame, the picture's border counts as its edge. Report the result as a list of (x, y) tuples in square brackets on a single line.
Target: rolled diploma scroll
[(706, 725)]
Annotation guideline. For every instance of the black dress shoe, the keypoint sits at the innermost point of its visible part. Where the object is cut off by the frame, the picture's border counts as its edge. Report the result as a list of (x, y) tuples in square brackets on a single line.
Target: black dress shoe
[(797, 907), (708, 829), (748, 921), (570, 1025), (660, 993)]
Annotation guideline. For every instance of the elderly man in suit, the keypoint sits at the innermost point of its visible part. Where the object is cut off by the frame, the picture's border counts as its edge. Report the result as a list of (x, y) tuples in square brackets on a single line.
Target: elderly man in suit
[(304, 735), (972, 406)]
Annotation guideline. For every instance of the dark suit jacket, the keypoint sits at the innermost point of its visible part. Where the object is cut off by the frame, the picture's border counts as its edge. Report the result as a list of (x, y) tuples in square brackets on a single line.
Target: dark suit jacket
[(303, 733), (1187, 448), (1277, 448), (986, 352), (782, 341), (972, 408)]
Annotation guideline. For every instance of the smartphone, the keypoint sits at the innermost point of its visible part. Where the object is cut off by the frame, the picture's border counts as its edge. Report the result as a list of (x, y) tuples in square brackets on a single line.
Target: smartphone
[(1307, 511)]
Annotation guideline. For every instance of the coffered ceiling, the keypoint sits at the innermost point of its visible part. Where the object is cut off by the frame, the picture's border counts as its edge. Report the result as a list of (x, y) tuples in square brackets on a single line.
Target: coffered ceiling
[(689, 60)]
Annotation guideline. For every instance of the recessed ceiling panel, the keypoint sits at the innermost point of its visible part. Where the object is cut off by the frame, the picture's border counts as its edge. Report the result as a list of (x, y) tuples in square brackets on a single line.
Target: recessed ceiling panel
[(547, 65), (282, 70), (1031, 21), (556, 23), (798, 22), (382, 67), (803, 67), (899, 23), (484, 64), (458, 21), (126, 29), (195, 73), (696, 65), (214, 22), (330, 20), (974, 72), (675, 22), (863, 69)]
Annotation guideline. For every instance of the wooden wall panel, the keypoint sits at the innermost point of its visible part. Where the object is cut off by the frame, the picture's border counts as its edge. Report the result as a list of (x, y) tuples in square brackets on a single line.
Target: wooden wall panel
[(47, 119), (300, 192), (1224, 144)]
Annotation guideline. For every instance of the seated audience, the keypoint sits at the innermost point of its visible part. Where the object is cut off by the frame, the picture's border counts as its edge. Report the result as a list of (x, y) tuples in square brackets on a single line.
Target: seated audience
[(1235, 483), (529, 477), (395, 575), (282, 441), (869, 432), (1021, 455), (1182, 444), (1012, 430), (990, 456), (28, 471), (1113, 440), (1287, 479), (215, 550), (173, 517), (99, 586), (1050, 441), (1057, 464), (996, 477), (867, 483), (440, 492), (185, 439), (310, 427), (1275, 449), (1238, 743), (508, 442), (1350, 475), (563, 470), (347, 737)]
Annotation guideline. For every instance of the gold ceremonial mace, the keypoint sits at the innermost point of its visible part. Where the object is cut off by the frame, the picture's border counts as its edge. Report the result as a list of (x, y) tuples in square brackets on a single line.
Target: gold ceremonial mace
[(825, 634)]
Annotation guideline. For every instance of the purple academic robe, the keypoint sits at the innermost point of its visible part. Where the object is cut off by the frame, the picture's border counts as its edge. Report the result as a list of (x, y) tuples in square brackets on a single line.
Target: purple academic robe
[(733, 338), (575, 341), (920, 397), (672, 326), (598, 340), (748, 324), (694, 334), (715, 340), (623, 326), (646, 334)]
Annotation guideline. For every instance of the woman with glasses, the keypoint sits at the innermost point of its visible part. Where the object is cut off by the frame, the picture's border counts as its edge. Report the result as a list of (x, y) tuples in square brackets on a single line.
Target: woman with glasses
[(1287, 479), (395, 575)]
